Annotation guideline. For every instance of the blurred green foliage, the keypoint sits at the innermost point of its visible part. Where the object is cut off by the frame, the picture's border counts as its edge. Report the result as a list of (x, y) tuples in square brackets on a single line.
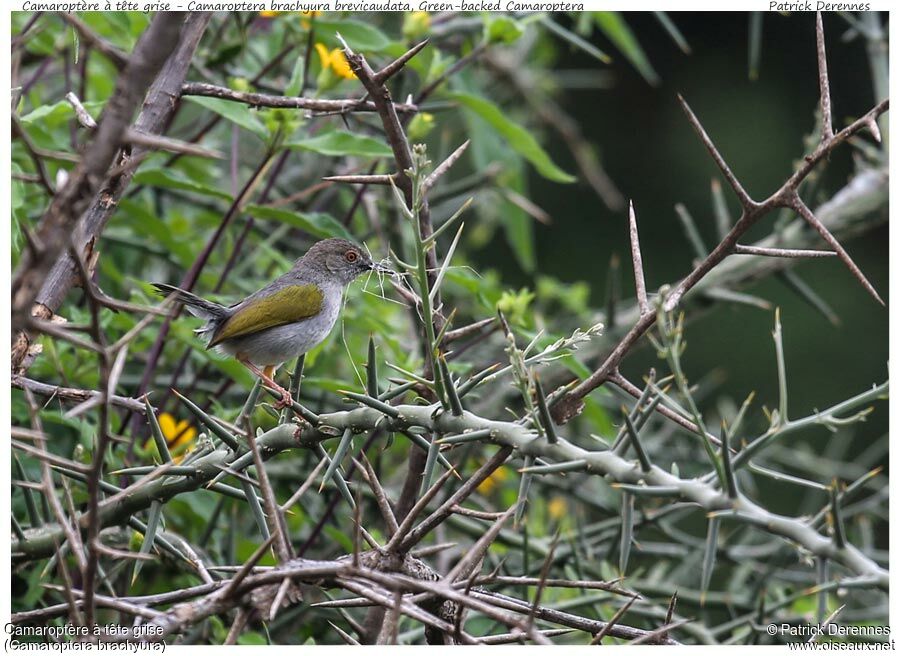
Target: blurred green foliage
[(547, 278)]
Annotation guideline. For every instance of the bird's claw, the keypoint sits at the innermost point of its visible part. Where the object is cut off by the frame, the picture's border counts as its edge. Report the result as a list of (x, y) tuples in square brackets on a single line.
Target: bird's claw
[(285, 400)]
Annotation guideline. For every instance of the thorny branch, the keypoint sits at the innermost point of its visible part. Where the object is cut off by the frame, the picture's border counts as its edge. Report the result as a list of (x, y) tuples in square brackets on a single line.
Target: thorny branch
[(40, 542), (570, 403), (390, 577), (299, 102)]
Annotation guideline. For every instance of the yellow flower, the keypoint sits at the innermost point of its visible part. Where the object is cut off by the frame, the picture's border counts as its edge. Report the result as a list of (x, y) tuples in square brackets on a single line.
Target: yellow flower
[(420, 126), (178, 435), (270, 14), (493, 481), (306, 16), (335, 61), (557, 508), (416, 23)]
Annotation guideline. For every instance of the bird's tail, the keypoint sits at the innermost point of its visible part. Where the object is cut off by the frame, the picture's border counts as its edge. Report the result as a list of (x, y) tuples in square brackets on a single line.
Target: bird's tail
[(199, 307)]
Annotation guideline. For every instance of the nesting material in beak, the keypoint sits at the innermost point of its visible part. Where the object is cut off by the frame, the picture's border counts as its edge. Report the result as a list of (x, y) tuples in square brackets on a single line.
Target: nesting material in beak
[(381, 267)]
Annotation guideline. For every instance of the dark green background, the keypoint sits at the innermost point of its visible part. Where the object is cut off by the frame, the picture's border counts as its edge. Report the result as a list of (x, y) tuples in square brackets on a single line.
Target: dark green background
[(652, 154)]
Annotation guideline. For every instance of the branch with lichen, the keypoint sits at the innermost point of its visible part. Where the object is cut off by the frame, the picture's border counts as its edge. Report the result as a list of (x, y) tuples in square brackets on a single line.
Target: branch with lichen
[(41, 542)]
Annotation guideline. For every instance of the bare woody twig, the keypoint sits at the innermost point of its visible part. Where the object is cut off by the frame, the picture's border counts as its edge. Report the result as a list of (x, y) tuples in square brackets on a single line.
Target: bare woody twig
[(277, 527), (382, 578), (374, 179), (743, 196), (72, 394), (797, 204), (443, 167), (73, 537), (865, 195), (380, 495), (397, 65), (740, 249), (287, 102), (403, 159), (148, 141)]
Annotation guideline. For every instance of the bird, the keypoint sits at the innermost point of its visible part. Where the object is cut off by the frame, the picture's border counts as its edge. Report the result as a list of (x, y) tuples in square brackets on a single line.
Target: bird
[(286, 318)]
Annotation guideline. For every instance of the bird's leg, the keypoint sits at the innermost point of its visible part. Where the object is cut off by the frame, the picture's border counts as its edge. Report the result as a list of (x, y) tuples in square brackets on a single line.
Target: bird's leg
[(286, 399), (266, 376)]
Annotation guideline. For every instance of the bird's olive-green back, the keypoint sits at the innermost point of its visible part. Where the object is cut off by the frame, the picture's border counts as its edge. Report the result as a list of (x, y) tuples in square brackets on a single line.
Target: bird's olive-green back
[(287, 305)]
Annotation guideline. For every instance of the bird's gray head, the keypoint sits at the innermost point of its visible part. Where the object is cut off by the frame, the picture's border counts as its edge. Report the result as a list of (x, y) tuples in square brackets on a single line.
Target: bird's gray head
[(338, 259)]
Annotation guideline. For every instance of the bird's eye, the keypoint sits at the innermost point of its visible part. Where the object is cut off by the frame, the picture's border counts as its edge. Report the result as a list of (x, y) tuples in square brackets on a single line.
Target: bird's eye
[(351, 256)]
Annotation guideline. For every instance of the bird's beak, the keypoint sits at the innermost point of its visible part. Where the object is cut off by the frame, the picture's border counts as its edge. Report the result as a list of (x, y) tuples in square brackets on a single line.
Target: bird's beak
[(380, 267)]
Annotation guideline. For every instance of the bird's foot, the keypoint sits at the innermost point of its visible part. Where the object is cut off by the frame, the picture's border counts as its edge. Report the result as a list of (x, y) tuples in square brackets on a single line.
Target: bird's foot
[(285, 400)]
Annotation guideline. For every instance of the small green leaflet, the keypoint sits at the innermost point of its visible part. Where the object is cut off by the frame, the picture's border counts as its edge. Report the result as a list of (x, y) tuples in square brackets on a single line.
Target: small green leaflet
[(315, 223), (173, 179), (358, 35), (237, 113), (515, 135), (340, 143), (616, 29)]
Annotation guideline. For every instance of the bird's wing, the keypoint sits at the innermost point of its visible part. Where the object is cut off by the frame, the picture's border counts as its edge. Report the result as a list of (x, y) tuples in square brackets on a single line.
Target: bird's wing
[(287, 305)]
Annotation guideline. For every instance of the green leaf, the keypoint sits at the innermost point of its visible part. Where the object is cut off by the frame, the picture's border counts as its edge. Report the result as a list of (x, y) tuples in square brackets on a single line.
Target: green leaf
[(520, 234), (502, 29), (34, 589), (515, 135), (252, 638), (575, 40), (235, 112), (17, 188), (58, 109), (359, 36), (172, 179), (315, 223), (616, 30), (296, 81), (55, 114), (139, 220), (340, 143)]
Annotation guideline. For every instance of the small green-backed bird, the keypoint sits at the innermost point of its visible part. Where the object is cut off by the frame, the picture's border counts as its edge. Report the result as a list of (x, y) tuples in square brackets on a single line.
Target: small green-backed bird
[(287, 317)]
